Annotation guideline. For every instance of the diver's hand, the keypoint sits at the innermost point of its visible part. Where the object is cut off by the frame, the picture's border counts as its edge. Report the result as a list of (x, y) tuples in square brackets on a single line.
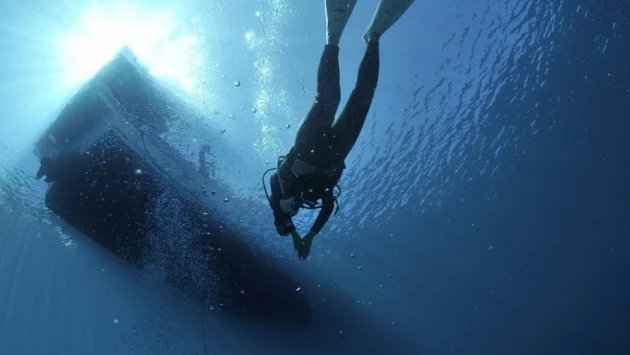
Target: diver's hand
[(297, 240), (303, 246), (298, 244), (288, 206)]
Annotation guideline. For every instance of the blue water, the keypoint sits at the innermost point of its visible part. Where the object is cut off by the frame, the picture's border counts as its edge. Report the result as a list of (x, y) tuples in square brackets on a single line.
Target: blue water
[(485, 208)]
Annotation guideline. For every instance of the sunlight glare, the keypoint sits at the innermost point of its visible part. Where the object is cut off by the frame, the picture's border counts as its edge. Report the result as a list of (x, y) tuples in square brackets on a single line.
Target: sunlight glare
[(154, 36)]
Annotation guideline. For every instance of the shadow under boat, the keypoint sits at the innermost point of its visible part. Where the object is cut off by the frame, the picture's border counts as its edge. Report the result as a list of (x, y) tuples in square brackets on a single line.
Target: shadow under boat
[(115, 180)]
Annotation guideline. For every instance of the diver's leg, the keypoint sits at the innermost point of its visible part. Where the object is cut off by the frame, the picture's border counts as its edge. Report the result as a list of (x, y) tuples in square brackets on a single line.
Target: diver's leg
[(337, 15), (386, 14), (322, 113), (348, 125)]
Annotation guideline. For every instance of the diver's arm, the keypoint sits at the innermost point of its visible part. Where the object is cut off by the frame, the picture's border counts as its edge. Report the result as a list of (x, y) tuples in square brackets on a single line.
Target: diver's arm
[(284, 176), (283, 222), (328, 205)]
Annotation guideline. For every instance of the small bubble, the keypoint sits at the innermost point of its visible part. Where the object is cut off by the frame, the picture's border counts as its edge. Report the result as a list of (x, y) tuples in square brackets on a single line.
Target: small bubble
[(312, 151), (360, 267), (298, 289), (237, 83), (254, 110), (116, 321), (226, 199), (352, 255), (288, 126), (242, 292), (138, 171), (381, 286)]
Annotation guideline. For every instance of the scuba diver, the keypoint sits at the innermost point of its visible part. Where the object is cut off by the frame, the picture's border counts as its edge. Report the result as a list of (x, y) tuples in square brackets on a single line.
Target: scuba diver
[(312, 168)]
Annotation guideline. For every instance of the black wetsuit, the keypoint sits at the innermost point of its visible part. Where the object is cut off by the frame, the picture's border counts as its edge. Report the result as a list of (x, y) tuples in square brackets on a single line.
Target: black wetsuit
[(323, 141)]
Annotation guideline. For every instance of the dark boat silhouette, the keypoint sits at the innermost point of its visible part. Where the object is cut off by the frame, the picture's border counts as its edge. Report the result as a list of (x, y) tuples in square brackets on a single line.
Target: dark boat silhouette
[(112, 178)]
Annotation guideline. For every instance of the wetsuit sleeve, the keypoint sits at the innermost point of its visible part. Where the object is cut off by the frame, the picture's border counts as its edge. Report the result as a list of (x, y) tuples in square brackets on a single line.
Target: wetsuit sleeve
[(328, 205), (283, 221)]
